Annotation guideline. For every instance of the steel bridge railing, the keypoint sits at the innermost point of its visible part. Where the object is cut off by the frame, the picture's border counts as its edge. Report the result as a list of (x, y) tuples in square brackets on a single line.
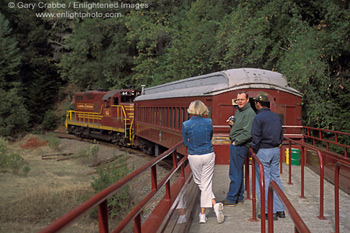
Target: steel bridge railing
[(302, 162), (299, 224), (336, 191)]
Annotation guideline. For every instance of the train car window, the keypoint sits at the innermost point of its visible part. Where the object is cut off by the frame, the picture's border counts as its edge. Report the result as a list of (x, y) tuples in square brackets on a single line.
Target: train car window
[(182, 117), (107, 103), (174, 118), (178, 118), (166, 117), (125, 99), (170, 117), (115, 101)]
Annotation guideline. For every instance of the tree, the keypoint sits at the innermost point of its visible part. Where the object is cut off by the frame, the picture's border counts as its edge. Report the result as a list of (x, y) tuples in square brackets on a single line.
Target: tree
[(10, 58), (14, 118), (194, 49), (97, 54)]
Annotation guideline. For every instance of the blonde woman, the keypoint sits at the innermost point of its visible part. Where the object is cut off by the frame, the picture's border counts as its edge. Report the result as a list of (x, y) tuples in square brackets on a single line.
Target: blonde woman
[(197, 133)]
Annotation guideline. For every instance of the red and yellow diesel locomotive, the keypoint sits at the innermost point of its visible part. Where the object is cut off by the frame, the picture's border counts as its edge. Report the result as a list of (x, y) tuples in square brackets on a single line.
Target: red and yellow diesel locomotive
[(153, 120), (101, 114)]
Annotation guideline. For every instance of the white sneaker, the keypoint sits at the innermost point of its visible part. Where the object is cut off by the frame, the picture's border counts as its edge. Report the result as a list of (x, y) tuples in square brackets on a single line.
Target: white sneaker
[(181, 219), (218, 208), (202, 218)]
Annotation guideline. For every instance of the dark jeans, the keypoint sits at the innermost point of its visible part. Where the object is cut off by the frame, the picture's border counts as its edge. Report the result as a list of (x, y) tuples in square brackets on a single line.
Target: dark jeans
[(237, 157)]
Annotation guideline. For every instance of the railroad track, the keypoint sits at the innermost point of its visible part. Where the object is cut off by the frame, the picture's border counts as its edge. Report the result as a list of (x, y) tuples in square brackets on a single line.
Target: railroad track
[(167, 163)]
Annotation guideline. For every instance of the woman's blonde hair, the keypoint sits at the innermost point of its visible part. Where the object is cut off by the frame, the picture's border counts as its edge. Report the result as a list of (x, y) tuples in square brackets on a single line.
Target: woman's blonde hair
[(198, 108)]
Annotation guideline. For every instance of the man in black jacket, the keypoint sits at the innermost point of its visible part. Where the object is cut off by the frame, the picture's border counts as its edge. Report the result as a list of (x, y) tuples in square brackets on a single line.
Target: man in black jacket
[(267, 136)]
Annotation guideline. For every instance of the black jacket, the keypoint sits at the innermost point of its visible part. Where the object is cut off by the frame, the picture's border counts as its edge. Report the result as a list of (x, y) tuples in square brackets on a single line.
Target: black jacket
[(266, 130)]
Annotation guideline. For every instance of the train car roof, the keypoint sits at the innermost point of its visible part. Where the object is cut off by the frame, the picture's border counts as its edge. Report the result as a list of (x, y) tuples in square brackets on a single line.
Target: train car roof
[(220, 82)]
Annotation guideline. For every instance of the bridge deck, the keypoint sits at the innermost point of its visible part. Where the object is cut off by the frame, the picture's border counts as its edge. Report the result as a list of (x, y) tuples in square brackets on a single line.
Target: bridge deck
[(236, 218)]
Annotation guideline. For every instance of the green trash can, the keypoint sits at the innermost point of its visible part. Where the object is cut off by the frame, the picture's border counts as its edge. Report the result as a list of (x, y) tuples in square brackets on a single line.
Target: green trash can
[(295, 157)]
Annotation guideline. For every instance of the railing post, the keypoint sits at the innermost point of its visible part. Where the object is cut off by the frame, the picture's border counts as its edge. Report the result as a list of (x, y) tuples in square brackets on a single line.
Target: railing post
[(302, 173), (336, 196), (174, 159), (270, 208), (103, 217), (253, 219), (321, 185), (262, 198), (290, 163), (137, 224), (154, 177)]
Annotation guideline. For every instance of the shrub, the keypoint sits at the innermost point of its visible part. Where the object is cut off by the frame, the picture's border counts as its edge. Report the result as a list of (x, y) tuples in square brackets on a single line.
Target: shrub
[(90, 155), (52, 141), (11, 160), (108, 175), (15, 162), (50, 121)]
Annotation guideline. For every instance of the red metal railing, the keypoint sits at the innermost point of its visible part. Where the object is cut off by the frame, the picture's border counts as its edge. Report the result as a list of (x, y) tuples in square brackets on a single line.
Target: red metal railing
[(336, 192), (262, 191), (304, 145), (307, 134), (299, 224), (100, 199)]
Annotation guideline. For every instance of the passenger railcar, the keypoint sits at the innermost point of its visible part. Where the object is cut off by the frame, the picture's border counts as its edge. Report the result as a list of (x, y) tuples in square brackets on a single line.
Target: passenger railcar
[(160, 111), (107, 115)]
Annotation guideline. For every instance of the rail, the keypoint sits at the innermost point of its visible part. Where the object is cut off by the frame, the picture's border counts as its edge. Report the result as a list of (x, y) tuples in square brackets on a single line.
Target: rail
[(299, 225), (319, 137), (123, 113), (304, 145), (262, 193), (336, 192), (100, 199)]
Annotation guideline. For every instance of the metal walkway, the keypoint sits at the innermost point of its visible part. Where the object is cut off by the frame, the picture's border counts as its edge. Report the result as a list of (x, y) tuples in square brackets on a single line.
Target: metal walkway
[(236, 218)]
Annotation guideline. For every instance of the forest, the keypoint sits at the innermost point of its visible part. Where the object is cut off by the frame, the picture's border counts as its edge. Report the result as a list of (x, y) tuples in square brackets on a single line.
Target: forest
[(50, 48)]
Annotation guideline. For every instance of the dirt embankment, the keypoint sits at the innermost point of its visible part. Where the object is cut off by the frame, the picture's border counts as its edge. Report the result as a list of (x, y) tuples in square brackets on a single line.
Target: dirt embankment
[(53, 187)]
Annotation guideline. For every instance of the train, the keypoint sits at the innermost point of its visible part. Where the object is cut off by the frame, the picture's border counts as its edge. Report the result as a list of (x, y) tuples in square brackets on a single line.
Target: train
[(151, 119)]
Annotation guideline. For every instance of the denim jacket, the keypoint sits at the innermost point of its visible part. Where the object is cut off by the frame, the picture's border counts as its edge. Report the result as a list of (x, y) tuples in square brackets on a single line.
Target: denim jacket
[(197, 133)]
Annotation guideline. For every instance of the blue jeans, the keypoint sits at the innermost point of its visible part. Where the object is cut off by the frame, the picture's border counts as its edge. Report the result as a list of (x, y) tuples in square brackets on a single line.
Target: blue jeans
[(270, 159), (237, 157)]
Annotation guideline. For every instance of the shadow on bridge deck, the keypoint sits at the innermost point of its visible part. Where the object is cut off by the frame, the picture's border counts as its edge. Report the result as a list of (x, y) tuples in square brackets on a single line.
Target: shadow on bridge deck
[(236, 218)]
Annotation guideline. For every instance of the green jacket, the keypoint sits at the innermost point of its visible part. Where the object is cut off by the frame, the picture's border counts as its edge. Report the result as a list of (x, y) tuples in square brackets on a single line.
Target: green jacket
[(241, 131)]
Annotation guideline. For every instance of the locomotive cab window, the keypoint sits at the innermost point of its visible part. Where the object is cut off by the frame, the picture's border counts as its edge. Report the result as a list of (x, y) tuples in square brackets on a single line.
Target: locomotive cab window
[(107, 103), (115, 101), (126, 99)]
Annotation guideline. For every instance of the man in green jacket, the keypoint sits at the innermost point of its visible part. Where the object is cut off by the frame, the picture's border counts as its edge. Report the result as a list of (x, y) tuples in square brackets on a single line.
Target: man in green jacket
[(240, 136)]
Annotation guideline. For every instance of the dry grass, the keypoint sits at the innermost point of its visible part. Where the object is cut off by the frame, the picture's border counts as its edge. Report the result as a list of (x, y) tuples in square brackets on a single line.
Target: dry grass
[(51, 189)]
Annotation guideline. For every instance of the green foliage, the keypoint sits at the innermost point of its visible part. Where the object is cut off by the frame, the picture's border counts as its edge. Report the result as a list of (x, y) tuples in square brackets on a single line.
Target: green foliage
[(98, 54), (12, 160), (119, 203), (90, 155), (50, 120), (52, 141), (14, 117), (195, 48), (10, 58)]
